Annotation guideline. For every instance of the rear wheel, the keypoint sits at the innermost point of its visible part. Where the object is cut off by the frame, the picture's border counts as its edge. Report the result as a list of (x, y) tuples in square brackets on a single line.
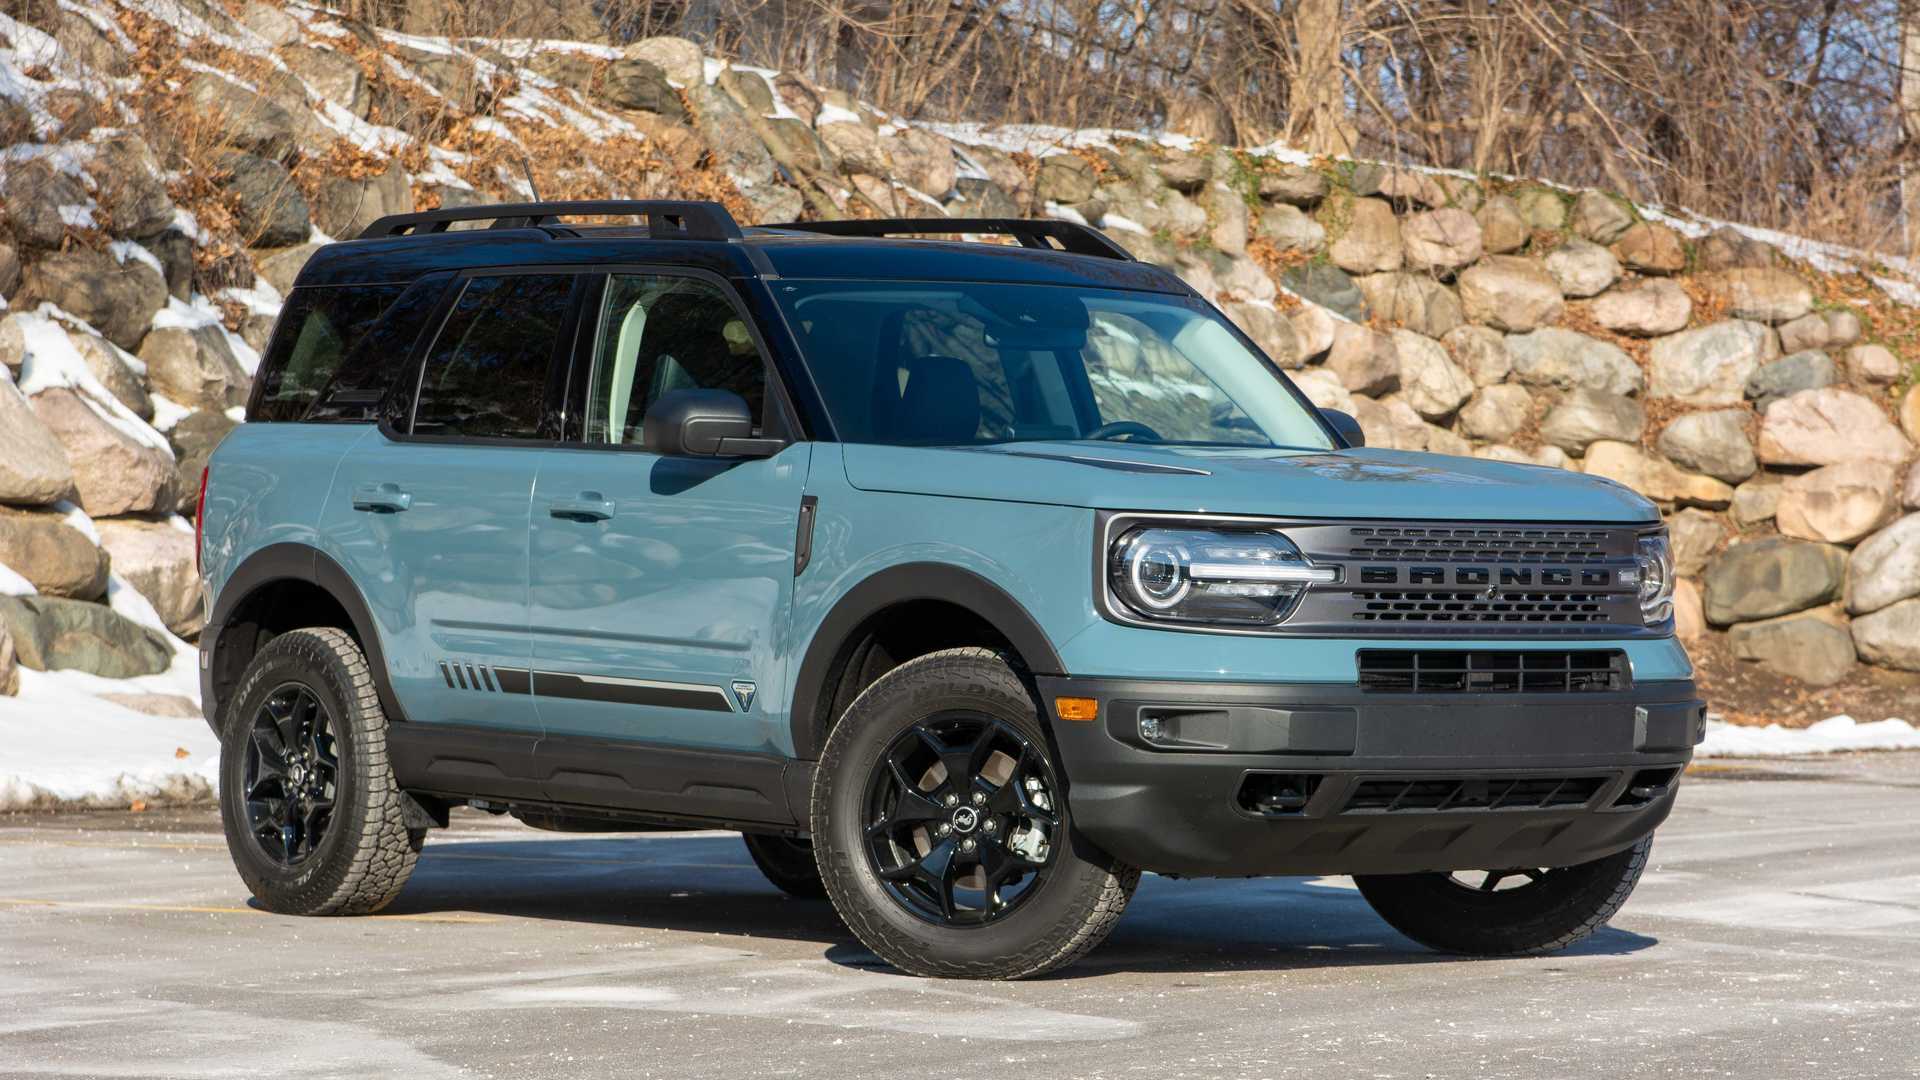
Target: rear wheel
[(943, 834), (788, 863), (1506, 912)]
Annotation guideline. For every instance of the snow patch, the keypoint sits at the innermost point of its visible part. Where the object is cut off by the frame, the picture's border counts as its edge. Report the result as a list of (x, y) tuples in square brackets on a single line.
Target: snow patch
[(1834, 735), (12, 584)]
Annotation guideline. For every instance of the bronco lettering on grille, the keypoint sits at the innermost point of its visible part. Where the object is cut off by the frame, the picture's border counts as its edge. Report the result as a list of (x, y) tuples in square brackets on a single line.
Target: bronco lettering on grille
[(1584, 577)]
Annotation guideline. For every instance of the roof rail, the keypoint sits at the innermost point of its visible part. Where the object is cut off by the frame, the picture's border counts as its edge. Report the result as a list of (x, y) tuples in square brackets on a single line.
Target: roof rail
[(1071, 236), (667, 219)]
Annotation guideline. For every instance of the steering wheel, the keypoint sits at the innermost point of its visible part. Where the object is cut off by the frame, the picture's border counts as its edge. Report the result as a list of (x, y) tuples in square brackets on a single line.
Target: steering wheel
[(1114, 429)]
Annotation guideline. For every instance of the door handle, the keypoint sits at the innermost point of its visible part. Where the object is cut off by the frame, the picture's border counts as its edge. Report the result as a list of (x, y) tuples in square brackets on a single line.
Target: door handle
[(381, 498), (587, 506)]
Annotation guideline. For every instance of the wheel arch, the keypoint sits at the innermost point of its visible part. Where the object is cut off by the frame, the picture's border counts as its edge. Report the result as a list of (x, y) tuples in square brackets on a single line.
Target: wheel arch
[(899, 589)]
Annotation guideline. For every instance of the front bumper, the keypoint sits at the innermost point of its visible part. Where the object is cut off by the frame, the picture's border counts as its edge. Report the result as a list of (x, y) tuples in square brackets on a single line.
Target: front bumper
[(1316, 778)]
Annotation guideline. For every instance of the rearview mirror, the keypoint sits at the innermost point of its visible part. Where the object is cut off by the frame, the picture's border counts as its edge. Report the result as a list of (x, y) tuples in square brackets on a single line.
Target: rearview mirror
[(703, 423), (1343, 425)]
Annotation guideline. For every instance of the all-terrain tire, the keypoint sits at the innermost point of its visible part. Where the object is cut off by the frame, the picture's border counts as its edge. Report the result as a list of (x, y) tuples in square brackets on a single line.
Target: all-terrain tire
[(366, 852), (788, 864), (1074, 906), (1563, 907)]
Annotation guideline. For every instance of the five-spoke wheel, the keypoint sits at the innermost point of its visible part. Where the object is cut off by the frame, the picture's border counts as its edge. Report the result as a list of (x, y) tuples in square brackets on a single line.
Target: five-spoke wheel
[(292, 773)]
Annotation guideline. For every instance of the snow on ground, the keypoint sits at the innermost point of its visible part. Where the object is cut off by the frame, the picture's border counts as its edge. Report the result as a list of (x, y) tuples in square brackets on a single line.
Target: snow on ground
[(65, 745), (1834, 735)]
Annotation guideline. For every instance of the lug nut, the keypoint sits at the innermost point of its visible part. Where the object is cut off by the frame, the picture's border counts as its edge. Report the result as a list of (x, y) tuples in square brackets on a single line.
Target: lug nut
[(952, 799), (966, 845), (991, 825), (945, 828), (979, 797)]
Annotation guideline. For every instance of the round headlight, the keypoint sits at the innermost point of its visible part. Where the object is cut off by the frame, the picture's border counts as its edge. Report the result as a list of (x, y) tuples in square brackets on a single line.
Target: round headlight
[(1228, 577), (1655, 557), (1157, 570)]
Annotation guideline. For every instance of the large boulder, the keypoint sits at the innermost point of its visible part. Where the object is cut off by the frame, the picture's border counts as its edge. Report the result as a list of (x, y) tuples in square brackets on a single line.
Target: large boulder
[(193, 440), (1226, 211), (1755, 501), (1269, 329), (1510, 293), (118, 371), (1371, 241), (195, 367), (1885, 568), (1815, 650), (34, 194), (1364, 360), (1503, 229), (1290, 228), (677, 56), (1568, 360), (119, 299), (1910, 412), (1599, 217), (1415, 301), (1808, 370), (736, 148), (1441, 240), (1651, 248), (343, 206), (1296, 185), (1583, 269), (1652, 308), (1773, 576), (1689, 619), (51, 634), (269, 209), (243, 118), (1727, 248), (1713, 442), (1063, 178), (337, 77), (640, 84), (156, 558), (1828, 426), (1695, 536), (1873, 364), (1653, 477), (1832, 328), (1429, 380), (34, 468), (281, 268), (57, 558), (1328, 286), (1587, 416), (129, 186), (115, 470), (1838, 504), (1766, 294), (1496, 412), (1711, 365), (1891, 636), (1543, 208), (1482, 352), (853, 144)]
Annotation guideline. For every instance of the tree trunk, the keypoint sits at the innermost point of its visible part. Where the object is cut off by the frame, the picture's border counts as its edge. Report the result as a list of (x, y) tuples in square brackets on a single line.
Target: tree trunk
[(1910, 120), (1318, 101)]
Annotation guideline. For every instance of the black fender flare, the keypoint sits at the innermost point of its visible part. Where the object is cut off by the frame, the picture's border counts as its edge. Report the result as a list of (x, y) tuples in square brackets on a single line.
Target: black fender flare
[(900, 584), (294, 562)]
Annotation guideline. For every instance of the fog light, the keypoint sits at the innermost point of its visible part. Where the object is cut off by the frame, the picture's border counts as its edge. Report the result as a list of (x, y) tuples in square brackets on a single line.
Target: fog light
[(1154, 730)]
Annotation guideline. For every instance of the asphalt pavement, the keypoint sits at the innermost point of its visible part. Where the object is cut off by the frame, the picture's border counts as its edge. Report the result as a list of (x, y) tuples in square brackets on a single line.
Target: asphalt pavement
[(1776, 935)]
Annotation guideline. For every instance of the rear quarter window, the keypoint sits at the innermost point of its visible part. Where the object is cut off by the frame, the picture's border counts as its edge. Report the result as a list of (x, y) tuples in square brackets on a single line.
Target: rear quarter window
[(318, 329)]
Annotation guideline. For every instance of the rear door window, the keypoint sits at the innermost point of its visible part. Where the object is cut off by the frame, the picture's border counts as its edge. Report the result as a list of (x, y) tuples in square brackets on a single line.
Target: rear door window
[(487, 374)]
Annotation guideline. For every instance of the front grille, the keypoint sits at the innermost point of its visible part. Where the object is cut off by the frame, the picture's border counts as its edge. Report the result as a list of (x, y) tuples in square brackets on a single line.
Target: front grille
[(1477, 543), (1473, 793), (1462, 671), (1431, 606)]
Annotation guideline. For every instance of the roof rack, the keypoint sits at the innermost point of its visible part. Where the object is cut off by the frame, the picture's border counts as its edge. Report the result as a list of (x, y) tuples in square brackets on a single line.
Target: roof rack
[(1069, 236), (667, 219)]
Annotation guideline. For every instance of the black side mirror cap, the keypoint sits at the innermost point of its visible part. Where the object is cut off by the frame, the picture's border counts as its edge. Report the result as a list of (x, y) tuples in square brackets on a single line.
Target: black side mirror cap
[(703, 423), (1342, 424)]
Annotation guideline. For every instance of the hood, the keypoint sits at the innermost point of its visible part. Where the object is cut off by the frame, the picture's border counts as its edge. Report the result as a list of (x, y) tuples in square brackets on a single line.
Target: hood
[(1364, 483)]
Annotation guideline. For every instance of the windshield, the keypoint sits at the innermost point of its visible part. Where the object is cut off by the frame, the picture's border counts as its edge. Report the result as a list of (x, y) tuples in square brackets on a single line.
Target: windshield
[(955, 363)]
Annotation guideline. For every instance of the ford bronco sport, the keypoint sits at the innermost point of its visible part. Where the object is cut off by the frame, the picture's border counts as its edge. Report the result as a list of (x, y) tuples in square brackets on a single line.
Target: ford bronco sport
[(968, 580)]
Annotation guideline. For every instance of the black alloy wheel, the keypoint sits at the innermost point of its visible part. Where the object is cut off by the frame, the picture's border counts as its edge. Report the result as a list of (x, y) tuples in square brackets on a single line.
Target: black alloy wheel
[(961, 825), (292, 774)]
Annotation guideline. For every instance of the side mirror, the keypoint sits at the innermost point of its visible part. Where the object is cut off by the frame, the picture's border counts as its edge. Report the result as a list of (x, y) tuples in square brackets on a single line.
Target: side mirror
[(703, 423), (1342, 424)]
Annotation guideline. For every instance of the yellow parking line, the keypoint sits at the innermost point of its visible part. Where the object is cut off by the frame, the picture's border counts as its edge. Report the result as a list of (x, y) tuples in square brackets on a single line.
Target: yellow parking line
[(198, 909), (153, 846)]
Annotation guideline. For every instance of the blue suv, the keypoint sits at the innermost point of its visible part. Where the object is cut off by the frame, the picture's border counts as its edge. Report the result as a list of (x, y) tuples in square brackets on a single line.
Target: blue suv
[(967, 579)]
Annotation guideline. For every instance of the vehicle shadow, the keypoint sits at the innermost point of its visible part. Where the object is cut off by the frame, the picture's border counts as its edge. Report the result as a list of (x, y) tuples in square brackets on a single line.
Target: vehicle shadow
[(706, 883)]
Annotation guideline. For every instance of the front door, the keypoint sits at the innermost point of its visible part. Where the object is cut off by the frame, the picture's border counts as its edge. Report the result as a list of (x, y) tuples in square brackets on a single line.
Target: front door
[(661, 585)]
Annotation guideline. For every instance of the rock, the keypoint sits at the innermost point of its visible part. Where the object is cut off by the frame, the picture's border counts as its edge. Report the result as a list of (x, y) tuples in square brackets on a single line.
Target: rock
[(1371, 242), (984, 198), (1806, 647), (118, 299), (1910, 489), (269, 210), (1415, 301), (1838, 504), (1496, 412), (1583, 269), (1890, 637), (924, 161), (1482, 352), (1885, 568), (1712, 442), (9, 269), (1411, 186), (281, 268), (245, 119), (1429, 380), (33, 196), (1774, 576), (1510, 293), (1695, 535), (630, 83), (1808, 332), (1296, 185), (1587, 416), (1567, 360), (1391, 424), (193, 440), (34, 468), (343, 207), (1323, 389), (1828, 426), (1652, 248), (751, 90), (1313, 329), (338, 78), (1710, 365), (1365, 362), (1543, 208), (195, 368), (1184, 218), (1770, 294), (1910, 413), (1064, 179), (1656, 479), (114, 367), (1269, 330), (1441, 240), (1289, 228), (1187, 172), (52, 634), (1726, 248), (679, 58), (1789, 375), (1599, 217), (58, 559), (1843, 327), (157, 559), (175, 252), (856, 146), (1328, 286), (274, 26), (9, 665), (1502, 227), (1873, 364), (128, 186), (1755, 501), (1227, 211), (1652, 308), (1689, 620), (113, 472)]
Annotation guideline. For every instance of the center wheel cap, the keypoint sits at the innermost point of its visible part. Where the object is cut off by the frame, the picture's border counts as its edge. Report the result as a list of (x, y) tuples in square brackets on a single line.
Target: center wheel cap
[(965, 819)]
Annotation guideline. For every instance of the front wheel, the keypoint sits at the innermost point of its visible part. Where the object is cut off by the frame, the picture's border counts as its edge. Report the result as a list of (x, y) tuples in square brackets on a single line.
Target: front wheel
[(942, 829), (1513, 912)]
